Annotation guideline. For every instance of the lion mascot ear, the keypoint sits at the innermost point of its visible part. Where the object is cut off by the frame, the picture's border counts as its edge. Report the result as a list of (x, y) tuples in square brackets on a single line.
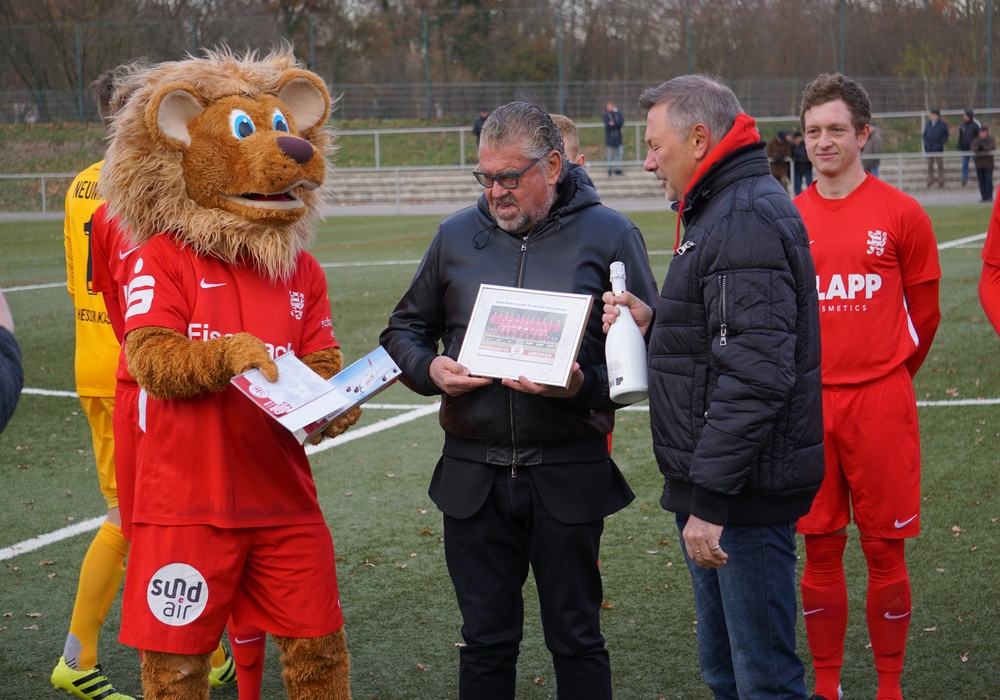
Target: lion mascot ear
[(306, 99), (171, 110)]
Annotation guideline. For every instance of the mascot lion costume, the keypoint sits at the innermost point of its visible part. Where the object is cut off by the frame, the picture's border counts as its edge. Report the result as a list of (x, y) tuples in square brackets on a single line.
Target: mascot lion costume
[(215, 166)]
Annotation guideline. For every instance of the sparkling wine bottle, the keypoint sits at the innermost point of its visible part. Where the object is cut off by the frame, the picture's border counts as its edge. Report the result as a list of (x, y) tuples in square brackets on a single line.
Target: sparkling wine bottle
[(625, 350)]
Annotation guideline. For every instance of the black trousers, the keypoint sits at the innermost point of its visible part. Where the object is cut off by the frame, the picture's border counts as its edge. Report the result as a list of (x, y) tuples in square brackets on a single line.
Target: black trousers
[(985, 177), (489, 555)]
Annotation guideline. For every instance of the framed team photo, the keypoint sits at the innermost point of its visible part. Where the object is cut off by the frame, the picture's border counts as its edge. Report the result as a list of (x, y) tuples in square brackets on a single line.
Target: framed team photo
[(527, 333)]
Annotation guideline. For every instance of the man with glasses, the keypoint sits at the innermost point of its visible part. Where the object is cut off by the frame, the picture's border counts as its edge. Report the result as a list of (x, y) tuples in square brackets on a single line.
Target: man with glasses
[(525, 478)]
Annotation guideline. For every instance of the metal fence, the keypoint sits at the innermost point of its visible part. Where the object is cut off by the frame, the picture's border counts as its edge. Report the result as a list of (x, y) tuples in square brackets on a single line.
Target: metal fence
[(396, 62)]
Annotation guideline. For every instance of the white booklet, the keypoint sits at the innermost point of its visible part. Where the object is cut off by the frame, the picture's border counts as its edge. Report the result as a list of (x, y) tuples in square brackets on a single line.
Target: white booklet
[(304, 403)]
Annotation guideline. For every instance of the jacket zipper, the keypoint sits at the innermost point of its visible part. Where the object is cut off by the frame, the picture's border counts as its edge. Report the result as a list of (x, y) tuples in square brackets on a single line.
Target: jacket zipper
[(722, 310), (510, 394)]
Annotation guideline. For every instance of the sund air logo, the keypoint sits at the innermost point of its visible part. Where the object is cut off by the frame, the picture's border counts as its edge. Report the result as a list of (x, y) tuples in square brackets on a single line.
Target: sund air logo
[(177, 594)]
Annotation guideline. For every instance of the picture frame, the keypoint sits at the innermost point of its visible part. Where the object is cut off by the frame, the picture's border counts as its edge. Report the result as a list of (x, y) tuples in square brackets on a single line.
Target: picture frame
[(516, 332)]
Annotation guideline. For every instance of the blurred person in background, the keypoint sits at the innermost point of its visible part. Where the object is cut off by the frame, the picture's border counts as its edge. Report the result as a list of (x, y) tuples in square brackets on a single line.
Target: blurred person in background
[(968, 130), (779, 154), (477, 126), (11, 369), (873, 149), (613, 144), (803, 167), (935, 137), (982, 148), (571, 139)]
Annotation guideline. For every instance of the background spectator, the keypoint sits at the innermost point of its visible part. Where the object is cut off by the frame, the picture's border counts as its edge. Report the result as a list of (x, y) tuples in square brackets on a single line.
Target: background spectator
[(967, 132), (872, 149), (779, 153), (982, 148), (477, 126), (935, 137), (613, 122)]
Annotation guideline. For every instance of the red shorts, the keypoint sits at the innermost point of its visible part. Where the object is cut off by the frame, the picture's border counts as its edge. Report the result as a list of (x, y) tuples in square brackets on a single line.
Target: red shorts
[(184, 581), (872, 445)]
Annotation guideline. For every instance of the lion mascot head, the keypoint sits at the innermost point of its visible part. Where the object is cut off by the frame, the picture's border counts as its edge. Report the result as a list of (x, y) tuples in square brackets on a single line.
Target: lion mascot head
[(226, 153)]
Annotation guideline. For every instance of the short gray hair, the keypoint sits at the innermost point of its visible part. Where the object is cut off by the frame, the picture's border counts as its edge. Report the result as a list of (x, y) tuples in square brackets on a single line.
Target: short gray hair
[(695, 99), (517, 121)]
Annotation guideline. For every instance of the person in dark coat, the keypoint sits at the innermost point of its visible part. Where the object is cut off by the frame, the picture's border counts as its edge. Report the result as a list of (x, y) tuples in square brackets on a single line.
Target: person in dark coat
[(982, 148), (779, 153), (935, 137), (613, 143), (11, 369), (968, 130), (800, 159), (525, 479), (477, 126), (734, 383)]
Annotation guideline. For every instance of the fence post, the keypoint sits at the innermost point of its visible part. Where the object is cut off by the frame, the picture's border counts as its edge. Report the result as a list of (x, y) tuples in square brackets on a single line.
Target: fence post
[(399, 196), (378, 152), (44, 208)]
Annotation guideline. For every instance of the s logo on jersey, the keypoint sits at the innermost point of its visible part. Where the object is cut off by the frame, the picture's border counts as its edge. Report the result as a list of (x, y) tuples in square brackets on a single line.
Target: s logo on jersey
[(876, 242), (139, 292), (177, 594), (298, 301)]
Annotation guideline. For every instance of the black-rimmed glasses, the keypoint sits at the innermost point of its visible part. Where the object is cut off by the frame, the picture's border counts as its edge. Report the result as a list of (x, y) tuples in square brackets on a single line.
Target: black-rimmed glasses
[(506, 180)]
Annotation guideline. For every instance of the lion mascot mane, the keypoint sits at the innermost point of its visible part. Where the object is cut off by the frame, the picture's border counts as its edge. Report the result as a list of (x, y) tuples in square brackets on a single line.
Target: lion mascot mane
[(215, 167)]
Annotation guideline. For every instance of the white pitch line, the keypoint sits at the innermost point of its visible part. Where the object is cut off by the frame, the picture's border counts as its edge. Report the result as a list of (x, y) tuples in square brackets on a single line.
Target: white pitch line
[(32, 287), (46, 539), (961, 241), (354, 433)]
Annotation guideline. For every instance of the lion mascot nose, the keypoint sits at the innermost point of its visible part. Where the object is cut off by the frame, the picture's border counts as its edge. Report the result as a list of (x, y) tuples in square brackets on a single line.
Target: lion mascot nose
[(297, 149)]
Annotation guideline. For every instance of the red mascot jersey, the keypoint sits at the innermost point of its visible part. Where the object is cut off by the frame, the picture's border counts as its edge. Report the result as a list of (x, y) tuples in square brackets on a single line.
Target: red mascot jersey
[(867, 248), (218, 459)]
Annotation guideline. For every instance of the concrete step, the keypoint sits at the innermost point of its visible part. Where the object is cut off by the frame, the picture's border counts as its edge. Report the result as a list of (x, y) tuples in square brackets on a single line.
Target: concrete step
[(405, 186)]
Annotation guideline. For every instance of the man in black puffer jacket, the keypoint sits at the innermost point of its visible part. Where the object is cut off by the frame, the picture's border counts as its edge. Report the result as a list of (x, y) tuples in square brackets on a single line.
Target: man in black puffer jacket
[(525, 479), (735, 393)]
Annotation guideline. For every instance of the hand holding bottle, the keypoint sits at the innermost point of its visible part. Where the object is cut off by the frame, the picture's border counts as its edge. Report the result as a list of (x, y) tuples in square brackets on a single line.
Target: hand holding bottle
[(641, 313), (625, 349)]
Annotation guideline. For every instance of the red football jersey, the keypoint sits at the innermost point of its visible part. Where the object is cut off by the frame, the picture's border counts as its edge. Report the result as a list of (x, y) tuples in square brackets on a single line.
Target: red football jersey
[(111, 258), (867, 248), (991, 249), (218, 459)]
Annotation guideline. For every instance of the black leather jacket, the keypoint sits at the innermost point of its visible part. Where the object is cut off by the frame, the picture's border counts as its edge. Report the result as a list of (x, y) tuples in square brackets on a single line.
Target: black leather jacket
[(734, 354), (569, 251), (11, 375)]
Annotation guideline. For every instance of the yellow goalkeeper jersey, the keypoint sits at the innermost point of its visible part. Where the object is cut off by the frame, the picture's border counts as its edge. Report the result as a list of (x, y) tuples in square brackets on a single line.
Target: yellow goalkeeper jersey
[(97, 348)]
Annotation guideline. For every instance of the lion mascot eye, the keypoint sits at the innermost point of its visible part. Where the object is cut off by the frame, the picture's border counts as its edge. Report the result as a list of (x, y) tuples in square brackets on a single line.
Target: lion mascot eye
[(241, 124), (279, 121)]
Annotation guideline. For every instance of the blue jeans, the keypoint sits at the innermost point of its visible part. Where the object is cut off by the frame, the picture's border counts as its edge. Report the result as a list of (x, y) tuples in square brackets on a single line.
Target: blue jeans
[(965, 168), (614, 157), (488, 558), (747, 612)]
